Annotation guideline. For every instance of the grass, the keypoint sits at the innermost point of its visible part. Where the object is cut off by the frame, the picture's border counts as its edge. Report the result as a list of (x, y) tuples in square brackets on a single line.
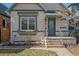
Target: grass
[(27, 52)]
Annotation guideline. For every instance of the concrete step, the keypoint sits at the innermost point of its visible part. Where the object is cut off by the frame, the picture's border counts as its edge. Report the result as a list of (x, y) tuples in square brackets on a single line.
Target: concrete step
[(54, 42), (55, 46)]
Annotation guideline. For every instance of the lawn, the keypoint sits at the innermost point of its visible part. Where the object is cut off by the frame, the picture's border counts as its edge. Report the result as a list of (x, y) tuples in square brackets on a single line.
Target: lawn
[(26, 52)]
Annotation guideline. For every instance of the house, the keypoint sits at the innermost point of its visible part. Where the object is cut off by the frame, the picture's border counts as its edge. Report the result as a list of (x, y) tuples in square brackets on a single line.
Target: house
[(39, 21), (4, 25), (75, 16)]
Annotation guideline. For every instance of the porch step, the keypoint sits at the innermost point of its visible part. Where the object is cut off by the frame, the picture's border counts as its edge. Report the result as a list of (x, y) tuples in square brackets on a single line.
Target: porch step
[(54, 42), (60, 41), (55, 46)]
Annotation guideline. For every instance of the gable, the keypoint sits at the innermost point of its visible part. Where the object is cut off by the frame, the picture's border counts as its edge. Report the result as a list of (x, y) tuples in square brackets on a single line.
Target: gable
[(54, 6), (27, 6)]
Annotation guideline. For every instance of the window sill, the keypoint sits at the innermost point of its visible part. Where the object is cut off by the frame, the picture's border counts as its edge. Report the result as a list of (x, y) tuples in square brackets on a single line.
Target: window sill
[(28, 33)]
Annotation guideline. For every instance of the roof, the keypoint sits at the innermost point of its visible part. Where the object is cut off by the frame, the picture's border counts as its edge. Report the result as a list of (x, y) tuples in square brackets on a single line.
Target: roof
[(43, 6), (73, 4), (18, 3), (5, 14), (3, 9)]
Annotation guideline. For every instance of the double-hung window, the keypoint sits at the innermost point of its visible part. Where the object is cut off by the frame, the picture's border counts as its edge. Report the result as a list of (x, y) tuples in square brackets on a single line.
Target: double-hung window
[(28, 23)]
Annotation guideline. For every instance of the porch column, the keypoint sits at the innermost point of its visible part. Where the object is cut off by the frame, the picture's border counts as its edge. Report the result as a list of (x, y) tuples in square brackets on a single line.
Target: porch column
[(46, 26), (46, 31)]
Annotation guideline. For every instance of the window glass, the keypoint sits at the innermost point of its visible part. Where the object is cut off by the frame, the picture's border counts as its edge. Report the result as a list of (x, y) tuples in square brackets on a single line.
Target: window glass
[(24, 23), (32, 23), (4, 23), (75, 7), (28, 23)]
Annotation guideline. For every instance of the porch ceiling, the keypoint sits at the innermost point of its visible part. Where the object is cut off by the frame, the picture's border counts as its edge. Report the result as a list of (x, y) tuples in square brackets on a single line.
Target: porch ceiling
[(54, 14), (51, 14)]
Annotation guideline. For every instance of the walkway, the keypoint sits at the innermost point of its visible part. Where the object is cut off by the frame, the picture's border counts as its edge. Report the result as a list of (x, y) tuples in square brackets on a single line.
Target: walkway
[(59, 51)]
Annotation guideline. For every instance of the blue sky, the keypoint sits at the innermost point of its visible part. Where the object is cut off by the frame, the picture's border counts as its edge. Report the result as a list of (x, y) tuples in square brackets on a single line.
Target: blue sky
[(8, 4)]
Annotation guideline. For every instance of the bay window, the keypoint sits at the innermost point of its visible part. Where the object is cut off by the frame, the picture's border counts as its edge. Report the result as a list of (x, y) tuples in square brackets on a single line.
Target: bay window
[(28, 23)]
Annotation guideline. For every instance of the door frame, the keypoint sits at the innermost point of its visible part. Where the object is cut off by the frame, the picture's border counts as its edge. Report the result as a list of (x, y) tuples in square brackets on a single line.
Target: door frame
[(1, 35), (53, 18), (1, 30)]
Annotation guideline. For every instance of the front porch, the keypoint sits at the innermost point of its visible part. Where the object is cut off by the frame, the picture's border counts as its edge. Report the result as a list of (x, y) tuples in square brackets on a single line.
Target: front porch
[(56, 25), (57, 32)]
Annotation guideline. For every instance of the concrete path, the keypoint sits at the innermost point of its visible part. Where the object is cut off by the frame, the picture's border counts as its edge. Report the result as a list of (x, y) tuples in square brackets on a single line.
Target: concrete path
[(59, 51)]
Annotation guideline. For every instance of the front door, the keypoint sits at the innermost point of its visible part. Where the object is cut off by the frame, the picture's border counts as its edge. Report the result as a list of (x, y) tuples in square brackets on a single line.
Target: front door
[(51, 26), (4, 29)]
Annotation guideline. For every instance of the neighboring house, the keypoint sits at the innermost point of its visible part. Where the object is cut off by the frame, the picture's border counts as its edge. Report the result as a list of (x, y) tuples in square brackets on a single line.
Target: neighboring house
[(4, 25), (36, 21), (74, 7)]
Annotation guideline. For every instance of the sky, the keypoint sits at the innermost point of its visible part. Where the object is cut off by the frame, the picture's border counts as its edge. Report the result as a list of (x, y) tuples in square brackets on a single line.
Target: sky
[(10, 4)]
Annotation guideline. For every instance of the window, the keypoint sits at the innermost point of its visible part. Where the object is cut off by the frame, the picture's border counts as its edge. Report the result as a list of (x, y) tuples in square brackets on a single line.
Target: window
[(31, 23), (24, 23), (77, 24), (4, 23), (28, 23), (75, 8)]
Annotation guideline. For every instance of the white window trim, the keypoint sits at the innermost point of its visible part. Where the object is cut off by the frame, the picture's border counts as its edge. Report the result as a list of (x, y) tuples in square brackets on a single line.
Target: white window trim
[(27, 23)]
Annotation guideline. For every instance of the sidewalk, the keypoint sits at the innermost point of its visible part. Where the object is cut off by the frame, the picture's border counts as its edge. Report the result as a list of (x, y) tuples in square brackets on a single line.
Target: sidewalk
[(59, 51)]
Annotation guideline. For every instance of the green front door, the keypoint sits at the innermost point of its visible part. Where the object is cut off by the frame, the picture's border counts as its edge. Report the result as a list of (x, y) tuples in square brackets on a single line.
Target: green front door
[(51, 26)]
